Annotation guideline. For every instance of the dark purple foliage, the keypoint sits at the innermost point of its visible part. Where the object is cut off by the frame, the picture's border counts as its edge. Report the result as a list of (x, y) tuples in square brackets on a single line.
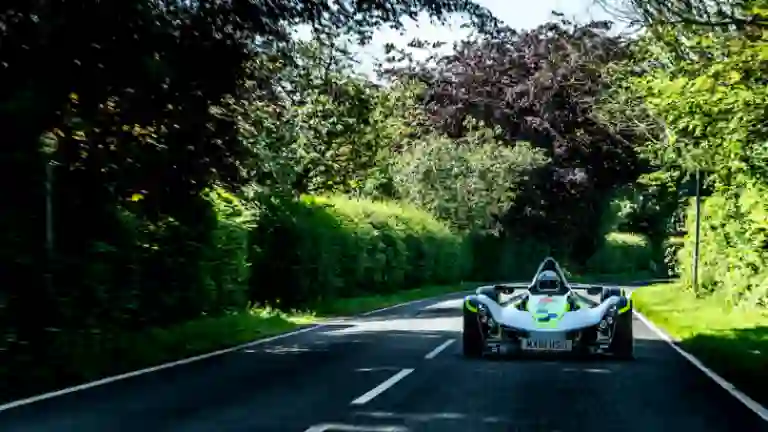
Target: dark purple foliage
[(540, 86)]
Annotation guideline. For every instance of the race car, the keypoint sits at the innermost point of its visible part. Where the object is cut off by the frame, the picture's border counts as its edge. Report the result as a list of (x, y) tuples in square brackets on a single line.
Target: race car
[(548, 315)]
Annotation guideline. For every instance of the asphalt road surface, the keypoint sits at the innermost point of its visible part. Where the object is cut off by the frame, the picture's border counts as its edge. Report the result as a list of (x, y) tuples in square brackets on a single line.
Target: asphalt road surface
[(399, 370)]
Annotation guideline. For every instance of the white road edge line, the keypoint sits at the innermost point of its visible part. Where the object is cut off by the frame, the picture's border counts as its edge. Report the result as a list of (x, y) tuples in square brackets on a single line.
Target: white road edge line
[(746, 400), (432, 354), (108, 380), (111, 379), (381, 388)]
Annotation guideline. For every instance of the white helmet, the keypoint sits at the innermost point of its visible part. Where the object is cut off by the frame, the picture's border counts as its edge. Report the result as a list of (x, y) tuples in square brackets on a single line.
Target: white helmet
[(548, 281)]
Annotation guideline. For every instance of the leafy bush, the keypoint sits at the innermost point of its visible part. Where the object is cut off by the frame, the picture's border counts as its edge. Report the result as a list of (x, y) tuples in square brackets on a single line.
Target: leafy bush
[(732, 252), (464, 182), (672, 247), (335, 246), (144, 274), (497, 258)]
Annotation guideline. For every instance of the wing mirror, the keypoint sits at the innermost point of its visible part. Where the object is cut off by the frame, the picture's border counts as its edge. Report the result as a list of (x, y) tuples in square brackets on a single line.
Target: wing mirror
[(623, 302), (595, 290)]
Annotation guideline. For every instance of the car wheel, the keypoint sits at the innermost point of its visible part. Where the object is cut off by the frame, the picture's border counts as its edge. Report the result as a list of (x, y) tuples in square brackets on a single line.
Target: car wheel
[(472, 337), (623, 343)]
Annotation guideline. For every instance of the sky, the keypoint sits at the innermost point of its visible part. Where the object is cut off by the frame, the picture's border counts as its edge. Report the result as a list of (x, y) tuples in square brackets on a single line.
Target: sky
[(519, 14)]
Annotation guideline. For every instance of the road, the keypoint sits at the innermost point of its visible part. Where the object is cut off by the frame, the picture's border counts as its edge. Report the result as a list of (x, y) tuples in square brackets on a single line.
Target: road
[(397, 371)]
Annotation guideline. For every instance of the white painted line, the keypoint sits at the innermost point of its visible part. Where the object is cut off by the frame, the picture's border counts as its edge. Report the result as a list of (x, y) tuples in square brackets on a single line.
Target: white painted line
[(432, 354), (392, 307), (408, 303), (381, 388), (746, 400), (108, 380), (351, 428), (112, 379)]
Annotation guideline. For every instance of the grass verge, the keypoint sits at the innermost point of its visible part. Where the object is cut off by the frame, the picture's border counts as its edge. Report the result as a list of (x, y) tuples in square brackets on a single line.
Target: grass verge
[(82, 357), (733, 342)]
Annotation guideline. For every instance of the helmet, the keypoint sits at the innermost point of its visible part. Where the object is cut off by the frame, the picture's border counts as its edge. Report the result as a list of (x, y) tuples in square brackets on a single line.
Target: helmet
[(548, 281)]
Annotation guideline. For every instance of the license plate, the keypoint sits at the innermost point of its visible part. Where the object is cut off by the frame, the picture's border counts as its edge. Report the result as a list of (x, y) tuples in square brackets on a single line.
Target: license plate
[(547, 345)]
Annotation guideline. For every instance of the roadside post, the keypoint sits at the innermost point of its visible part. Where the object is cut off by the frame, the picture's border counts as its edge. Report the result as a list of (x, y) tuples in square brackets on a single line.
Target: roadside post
[(698, 232)]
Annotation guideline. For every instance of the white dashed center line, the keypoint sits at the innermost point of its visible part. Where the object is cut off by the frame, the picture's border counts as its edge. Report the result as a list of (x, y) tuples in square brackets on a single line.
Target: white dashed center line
[(337, 427), (432, 354), (381, 388)]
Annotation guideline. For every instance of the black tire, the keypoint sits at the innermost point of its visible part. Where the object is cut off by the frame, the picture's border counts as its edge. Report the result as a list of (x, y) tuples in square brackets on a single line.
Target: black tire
[(623, 343), (472, 337)]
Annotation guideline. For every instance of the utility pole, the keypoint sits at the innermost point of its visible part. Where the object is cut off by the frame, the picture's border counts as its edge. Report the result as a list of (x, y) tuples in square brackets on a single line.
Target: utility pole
[(49, 146), (698, 232), (49, 208)]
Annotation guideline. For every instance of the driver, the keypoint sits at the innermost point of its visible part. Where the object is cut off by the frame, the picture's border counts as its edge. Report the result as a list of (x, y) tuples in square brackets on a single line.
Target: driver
[(548, 281)]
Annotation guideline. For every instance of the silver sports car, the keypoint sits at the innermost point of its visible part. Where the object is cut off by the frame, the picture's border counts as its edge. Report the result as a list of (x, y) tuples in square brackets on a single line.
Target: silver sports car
[(548, 315)]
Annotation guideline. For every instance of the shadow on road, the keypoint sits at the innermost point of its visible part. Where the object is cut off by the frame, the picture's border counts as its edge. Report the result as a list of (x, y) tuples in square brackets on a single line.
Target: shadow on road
[(738, 355), (659, 391)]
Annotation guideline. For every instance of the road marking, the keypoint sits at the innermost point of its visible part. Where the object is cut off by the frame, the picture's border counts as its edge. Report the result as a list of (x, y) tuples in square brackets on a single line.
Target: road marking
[(381, 388), (432, 354), (112, 379), (408, 303), (108, 380), (338, 427), (746, 400)]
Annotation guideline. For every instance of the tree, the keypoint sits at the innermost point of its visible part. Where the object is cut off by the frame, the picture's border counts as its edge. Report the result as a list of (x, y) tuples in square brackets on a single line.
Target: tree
[(468, 181), (541, 86), (131, 109), (699, 13)]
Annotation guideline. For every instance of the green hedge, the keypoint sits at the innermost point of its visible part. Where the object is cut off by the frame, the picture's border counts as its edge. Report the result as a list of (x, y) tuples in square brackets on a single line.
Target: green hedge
[(622, 253), (151, 280), (326, 247), (497, 258)]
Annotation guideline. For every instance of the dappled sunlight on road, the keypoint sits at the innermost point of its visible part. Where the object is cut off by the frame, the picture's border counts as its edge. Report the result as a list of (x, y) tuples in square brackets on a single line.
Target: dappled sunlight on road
[(588, 370), (430, 416), (440, 317), (286, 350), (403, 325)]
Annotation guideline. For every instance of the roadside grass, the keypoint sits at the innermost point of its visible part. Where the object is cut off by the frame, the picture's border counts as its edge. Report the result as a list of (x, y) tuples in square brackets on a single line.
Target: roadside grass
[(732, 342), (76, 358), (83, 357)]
